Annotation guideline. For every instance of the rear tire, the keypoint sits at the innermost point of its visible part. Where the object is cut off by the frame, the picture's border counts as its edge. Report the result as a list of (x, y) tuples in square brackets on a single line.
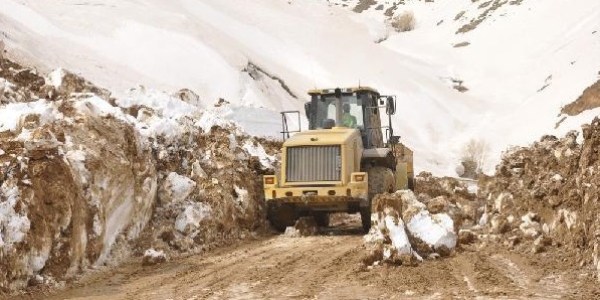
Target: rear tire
[(281, 216), (381, 180)]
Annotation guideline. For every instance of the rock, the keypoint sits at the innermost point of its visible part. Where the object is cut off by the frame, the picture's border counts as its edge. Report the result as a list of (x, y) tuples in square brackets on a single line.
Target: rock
[(435, 231), (197, 171), (466, 237), (529, 226), (176, 188), (438, 205), (374, 254), (499, 224), (305, 226), (153, 257), (383, 201), (540, 244)]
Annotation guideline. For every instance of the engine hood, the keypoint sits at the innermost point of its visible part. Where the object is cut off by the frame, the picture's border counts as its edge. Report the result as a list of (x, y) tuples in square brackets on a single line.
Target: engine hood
[(334, 136)]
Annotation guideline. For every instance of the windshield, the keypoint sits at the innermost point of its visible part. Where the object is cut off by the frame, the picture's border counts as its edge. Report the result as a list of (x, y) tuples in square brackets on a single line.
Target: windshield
[(352, 112)]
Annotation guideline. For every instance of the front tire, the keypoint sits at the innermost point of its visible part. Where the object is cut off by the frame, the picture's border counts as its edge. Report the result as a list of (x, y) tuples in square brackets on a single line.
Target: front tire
[(381, 180), (322, 219)]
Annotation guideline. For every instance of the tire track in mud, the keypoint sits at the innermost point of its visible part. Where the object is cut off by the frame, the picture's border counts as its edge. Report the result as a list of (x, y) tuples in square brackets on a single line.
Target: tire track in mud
[(547, 287), (211, 273), (324, 267), (299, 272)]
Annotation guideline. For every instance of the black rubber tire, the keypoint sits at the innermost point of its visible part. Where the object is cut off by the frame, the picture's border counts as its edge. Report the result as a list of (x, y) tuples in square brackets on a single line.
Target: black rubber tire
[(322, 219), (381, 180), (365, 218), (281, 216), (411, 184)]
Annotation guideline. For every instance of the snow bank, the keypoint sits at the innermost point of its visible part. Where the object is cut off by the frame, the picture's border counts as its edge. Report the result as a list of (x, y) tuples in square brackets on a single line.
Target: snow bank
[(213, 118), (11, 114), (122, 163)]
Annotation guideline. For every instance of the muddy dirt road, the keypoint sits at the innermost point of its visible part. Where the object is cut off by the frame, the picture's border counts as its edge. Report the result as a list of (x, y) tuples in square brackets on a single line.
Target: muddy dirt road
[(327, 266)]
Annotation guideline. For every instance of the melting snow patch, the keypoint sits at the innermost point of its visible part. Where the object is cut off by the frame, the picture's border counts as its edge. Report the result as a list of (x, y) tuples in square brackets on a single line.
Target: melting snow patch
[(209, 119), (13, 226), (151, 125), (55, 78), (37, 262), (95, 105), (398, 235), (10, 115), (5, 85), (242, 195), (190, 218), (529, 226), (178, 187), (164, 104), (557, 177), (257, 150), (153, 257), (77, 160)]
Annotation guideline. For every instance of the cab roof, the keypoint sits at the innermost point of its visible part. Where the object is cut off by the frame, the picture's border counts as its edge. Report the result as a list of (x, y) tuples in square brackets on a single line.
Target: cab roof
[(331, 91)]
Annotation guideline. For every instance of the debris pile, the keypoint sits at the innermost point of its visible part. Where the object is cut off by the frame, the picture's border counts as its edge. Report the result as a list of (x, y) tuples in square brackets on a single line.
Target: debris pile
[(87, 179), (404, 231), (450, 194), (546, 196), (204, 196)]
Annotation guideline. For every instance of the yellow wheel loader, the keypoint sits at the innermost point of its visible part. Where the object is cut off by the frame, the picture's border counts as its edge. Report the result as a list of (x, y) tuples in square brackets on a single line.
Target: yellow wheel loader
[(343, 160)]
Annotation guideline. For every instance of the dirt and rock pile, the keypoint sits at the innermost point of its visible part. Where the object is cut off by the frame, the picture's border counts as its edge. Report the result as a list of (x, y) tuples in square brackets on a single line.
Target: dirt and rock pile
[(209, 192), (546, 196), (451, 194), (404, 230), (432, 221), (87, 179)]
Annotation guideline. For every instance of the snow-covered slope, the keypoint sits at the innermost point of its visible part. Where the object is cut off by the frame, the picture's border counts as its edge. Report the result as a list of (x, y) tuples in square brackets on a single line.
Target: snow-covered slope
[(525, 59)]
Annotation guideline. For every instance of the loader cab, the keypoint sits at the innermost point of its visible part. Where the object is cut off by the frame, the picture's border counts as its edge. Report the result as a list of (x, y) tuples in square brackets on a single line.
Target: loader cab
[(330, 108)]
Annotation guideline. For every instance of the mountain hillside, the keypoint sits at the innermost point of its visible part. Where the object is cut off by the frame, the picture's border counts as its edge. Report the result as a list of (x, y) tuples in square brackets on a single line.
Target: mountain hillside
[(495, 73)]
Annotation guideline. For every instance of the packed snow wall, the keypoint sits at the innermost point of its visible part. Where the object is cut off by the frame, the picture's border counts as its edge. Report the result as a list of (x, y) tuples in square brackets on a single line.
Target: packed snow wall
[(83, 174)]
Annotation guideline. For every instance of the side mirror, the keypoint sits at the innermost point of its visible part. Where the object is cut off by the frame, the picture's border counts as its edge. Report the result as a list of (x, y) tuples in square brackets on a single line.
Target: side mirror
[(390, 106), (394, 139)]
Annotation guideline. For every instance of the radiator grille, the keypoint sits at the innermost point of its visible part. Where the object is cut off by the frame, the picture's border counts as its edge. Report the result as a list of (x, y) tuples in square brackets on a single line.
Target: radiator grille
[(313, 163)]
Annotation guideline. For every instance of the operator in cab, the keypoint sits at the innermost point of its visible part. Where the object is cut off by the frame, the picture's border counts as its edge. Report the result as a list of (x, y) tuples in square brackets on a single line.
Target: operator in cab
[(348, 120)]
